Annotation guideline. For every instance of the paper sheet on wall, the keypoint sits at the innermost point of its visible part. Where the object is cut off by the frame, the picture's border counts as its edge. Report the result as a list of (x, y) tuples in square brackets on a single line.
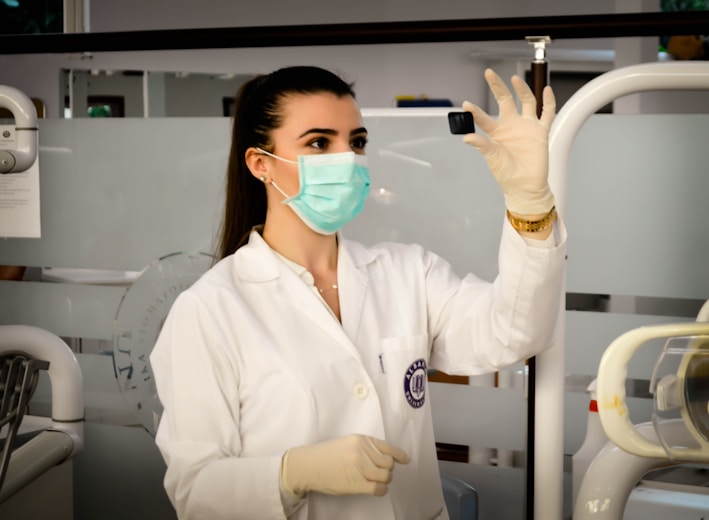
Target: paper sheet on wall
[(19, 196)]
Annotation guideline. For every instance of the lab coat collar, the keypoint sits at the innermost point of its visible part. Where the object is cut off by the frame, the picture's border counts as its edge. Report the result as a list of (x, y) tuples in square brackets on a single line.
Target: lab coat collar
[(256, 262)]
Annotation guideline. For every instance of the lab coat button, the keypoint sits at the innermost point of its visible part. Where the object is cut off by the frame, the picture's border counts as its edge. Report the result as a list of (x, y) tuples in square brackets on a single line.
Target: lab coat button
[(361, 390)]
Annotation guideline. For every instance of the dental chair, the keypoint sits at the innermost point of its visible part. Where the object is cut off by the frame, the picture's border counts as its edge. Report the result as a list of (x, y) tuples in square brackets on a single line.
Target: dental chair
[(32, 445)]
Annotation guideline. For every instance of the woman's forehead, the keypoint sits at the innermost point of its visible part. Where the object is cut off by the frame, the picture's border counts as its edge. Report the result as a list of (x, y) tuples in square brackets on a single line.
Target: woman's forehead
[(321, 110)]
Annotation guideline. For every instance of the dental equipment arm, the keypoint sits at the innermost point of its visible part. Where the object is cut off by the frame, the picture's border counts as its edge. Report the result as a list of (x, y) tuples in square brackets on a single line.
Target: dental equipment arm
[(612, 407), (63, 432), (24, 154)]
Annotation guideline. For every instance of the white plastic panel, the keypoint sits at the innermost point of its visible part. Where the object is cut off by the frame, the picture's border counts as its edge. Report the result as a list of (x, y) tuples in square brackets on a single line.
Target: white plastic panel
[(588, 334), (67, 310), (120, 193), (638, 206), (485, 417), (430, 188)]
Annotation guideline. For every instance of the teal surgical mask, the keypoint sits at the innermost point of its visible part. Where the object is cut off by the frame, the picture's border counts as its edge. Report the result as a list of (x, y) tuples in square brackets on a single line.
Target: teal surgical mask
[(333, 188)]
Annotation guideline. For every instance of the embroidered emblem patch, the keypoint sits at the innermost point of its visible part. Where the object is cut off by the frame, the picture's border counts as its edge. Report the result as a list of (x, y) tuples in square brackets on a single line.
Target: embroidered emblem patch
[(415, 383)]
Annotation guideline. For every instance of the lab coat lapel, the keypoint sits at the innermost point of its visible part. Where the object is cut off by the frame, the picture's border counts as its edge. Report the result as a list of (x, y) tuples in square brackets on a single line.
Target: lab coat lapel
[(306, 302), (258, 263), (354, 283)]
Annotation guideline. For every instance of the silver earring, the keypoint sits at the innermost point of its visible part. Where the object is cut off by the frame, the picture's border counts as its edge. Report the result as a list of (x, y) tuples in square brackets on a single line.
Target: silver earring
[(262, 178)]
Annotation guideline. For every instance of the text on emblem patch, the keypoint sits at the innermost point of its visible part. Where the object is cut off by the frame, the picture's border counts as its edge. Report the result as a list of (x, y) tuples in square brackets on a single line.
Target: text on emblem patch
[(415, 383)]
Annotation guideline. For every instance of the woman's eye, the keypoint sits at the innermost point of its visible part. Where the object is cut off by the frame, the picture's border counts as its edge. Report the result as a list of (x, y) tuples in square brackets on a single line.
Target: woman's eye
[(359, 143), (320, 143)]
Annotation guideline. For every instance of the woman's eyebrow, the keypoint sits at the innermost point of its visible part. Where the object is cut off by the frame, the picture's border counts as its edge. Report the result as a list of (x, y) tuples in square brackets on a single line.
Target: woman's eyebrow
[(330, 131), (326, 131)]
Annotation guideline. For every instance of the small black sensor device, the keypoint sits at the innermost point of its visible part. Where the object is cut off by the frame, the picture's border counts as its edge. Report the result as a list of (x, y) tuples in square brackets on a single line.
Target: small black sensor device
[(461, 122)]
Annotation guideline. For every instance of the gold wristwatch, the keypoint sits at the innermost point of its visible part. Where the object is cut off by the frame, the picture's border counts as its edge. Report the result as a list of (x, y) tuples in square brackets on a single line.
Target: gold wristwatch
[(533, 226)]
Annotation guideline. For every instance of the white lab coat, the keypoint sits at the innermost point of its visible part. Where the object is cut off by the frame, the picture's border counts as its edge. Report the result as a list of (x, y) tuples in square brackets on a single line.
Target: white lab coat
[(250, 362)]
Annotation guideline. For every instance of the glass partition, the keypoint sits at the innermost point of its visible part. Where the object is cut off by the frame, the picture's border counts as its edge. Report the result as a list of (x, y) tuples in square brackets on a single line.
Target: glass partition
[(143, 93)]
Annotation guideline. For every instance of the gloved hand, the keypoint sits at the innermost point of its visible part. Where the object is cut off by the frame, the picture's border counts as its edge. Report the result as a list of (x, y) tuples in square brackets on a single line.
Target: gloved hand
[(351, 465), (517, 144)]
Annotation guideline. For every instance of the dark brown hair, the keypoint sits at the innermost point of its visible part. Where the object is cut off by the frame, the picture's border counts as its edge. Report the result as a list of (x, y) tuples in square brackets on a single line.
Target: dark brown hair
[(257, 113)]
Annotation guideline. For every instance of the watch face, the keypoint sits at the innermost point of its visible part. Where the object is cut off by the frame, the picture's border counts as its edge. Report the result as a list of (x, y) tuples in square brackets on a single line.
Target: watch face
[(139, 319)]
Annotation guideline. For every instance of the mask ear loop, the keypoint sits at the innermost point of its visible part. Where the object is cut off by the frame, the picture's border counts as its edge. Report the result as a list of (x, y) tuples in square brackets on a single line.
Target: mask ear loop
[(263, 177), (275, 156), (279, 190)]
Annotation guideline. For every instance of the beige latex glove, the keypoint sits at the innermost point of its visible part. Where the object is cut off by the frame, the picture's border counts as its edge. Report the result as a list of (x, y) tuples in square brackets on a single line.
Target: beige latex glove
[(517, 144), (350, 465)]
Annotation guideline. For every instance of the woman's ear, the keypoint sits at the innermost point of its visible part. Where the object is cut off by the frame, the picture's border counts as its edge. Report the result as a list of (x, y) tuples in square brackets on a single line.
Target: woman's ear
[(256, 163)]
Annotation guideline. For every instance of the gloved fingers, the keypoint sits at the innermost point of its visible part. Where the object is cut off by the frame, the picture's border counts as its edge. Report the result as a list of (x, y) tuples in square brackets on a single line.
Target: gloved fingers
[(373, 473), (375, 458), (484, 145), (548, 107), (375, 468), (379, 490), (503, 96), (482, 120), (384, 448), (485, 123), (526, 97)]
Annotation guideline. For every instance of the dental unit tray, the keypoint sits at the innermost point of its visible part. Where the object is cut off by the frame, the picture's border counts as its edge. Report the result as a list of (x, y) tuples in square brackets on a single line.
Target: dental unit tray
[(19, 375)]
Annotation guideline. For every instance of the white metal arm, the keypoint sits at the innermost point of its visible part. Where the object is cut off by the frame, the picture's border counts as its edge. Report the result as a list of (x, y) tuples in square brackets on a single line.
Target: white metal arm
[(64, 374)]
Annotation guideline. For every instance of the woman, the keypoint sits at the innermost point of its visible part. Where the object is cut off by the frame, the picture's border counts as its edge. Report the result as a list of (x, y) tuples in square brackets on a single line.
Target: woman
[(292, 374)]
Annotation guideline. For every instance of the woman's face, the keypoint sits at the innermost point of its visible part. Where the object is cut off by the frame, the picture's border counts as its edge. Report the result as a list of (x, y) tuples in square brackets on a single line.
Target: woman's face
[(315, 124)]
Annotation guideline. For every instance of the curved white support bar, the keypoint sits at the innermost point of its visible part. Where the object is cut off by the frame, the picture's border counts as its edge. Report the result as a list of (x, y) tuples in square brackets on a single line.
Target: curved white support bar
[(24, 154), (603, 498), (610, 389), (549, 389), (64, 374)]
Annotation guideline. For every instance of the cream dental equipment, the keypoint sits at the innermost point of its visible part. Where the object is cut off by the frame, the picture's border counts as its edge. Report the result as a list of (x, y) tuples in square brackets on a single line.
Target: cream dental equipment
[(679, 430)]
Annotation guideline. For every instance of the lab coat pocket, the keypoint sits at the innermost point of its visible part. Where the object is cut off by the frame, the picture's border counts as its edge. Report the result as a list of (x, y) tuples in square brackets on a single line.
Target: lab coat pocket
[(403, 362)]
